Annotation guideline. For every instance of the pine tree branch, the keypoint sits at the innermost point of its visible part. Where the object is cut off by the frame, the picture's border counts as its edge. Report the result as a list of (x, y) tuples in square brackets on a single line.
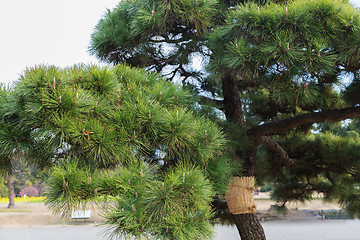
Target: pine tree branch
[(328, 176), (282, 153), (166, 40), (276, 127), (187, 34), (219, 104), (277, 148)]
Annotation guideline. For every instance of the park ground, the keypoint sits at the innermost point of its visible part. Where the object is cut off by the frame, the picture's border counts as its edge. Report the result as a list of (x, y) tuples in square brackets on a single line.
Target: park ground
[(35, 221), (27, 214)]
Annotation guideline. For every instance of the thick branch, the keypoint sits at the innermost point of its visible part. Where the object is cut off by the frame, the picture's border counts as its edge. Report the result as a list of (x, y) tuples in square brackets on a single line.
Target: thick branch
[(277, 148), (282, 153), (276, 127)]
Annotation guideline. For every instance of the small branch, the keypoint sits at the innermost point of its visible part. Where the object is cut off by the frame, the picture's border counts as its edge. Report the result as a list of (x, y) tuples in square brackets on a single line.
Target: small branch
[(328, 176), (166, 40), (218, 103), (173, 73)]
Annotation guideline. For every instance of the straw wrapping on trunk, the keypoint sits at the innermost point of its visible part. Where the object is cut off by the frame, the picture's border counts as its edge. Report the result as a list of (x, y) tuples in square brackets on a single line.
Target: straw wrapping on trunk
[(240, 198)]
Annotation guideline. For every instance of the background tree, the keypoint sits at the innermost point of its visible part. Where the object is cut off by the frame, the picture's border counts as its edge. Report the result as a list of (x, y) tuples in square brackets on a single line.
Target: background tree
[(130, 139), (13, 142), (279, 69), (23, 156)]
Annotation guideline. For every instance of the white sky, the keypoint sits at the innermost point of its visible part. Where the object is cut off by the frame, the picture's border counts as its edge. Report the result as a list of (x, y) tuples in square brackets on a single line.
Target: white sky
[(49, 32)]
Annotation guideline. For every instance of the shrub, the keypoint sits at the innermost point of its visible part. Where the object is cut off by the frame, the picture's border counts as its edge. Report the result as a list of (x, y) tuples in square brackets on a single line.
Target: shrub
[(30, 191)]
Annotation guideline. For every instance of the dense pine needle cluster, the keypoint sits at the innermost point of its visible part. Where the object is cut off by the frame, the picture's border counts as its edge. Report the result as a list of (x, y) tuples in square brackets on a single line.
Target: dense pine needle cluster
[(290, 56), (129, 141), (136, 33)]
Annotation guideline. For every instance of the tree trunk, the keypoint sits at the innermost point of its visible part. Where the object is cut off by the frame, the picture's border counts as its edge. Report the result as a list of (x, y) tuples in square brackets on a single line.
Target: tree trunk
[(232, 101), (10, 184), (249, 226)]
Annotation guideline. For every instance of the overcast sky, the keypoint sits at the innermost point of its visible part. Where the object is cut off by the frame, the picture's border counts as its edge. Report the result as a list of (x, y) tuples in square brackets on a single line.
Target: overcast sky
[(46, 32), (49, 32)]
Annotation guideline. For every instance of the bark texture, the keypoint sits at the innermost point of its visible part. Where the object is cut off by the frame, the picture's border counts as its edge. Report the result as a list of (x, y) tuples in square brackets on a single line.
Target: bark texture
[(232, 101), (249, 226), (10, 183)]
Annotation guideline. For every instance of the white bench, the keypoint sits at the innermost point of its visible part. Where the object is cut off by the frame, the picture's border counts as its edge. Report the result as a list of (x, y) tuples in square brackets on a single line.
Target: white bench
[(84, 214)]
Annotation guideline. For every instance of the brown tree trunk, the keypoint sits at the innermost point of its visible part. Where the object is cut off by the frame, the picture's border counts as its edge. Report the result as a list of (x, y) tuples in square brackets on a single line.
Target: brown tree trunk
[(10, 184), (232, 101), (249, 226)]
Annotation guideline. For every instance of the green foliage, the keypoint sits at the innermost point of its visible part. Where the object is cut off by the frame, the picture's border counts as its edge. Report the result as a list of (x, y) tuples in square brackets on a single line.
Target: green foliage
[(126, 30), (4, 192), (142, 112), (326, 164), (70, 188), (290, 56), (164, 36), (122, 135), (14, 136), (164, 164), (348, 192), (290, 59), (144, 203), (175, 206)]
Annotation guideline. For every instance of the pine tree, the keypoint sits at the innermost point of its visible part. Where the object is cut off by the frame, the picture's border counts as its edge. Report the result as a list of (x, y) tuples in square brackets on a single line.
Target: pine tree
[(289, 62), (280, 69), (130, 140)]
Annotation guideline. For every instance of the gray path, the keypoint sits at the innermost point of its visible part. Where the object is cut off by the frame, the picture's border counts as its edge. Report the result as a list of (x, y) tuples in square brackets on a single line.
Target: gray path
[(307, 230), (302, 230)]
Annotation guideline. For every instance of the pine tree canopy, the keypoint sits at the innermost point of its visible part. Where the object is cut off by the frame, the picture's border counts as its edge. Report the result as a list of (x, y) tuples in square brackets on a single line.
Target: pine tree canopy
[(297, 64), (130, 140), (161, 35), (281, 67), (295, 57)]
